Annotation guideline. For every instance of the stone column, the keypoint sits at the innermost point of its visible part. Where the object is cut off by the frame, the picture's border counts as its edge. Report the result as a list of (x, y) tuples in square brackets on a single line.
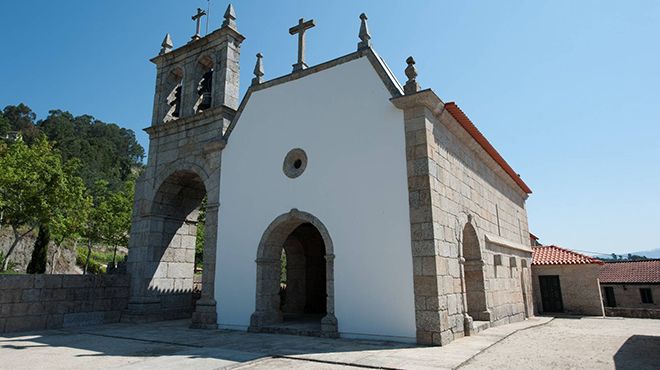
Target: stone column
[(205, 315)]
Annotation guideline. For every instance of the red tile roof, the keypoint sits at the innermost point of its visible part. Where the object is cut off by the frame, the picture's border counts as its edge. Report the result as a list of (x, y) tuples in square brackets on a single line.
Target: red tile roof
[(464, 121), (643, 271), (554, 255)]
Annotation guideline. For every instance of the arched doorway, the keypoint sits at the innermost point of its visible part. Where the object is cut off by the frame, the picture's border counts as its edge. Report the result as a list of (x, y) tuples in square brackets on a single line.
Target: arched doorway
[(162, 256), (475, 287), (295, 278)]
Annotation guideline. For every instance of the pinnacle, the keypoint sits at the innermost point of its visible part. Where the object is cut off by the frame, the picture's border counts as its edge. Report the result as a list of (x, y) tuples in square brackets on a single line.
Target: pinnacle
[(230, 17), (167, 44), (365, 37)]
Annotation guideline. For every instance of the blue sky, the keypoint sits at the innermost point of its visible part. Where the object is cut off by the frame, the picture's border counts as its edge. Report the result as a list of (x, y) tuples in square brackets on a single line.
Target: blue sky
[(567, 91)]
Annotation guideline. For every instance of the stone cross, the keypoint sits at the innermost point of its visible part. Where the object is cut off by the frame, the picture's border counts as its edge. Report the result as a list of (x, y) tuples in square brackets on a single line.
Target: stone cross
[(300, 30), (198, 17)]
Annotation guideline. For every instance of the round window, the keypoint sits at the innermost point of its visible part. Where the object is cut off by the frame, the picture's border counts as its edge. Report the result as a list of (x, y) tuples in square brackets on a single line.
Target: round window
[(295, 163)]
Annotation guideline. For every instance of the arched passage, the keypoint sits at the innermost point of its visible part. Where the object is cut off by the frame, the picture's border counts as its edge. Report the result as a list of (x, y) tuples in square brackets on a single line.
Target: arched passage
[(162, 254), (475, 288), (308, 293)]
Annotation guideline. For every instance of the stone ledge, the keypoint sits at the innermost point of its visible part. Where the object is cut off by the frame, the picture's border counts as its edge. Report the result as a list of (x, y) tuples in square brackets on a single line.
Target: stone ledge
[(498, 240)]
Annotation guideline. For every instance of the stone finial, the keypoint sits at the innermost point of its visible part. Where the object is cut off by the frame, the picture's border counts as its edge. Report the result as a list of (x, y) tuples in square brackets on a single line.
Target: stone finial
[(411, 85), (167, 45), (230, 17), (365, 37), (258, 71)]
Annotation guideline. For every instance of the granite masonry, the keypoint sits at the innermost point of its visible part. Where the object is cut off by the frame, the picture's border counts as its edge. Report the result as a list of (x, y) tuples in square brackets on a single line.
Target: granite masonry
[(37, 302)]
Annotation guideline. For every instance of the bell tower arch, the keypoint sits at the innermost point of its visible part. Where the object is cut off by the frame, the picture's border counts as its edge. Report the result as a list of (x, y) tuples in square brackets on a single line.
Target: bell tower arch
[(196, 97)]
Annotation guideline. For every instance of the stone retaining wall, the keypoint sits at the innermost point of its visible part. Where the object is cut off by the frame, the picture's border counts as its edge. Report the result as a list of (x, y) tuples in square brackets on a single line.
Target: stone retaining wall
[(640, 313), (36, 302)]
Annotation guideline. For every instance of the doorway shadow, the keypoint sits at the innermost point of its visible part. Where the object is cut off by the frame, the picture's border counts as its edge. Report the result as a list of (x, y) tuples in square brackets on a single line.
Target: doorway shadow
[(639, 352)]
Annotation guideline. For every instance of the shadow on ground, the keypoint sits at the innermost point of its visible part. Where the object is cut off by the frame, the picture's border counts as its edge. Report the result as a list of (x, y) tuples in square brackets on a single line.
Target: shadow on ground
[(639, 352), (175, 338)]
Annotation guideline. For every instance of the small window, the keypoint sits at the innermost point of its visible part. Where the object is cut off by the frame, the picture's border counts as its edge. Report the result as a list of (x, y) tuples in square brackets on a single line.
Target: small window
[(610, 300), (647, 297), (295, 163)]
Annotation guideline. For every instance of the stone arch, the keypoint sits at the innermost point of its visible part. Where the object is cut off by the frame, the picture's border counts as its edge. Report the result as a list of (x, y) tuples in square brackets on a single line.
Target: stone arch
[(274, 239), (182, 167), (162, 245), (474, 275), (173, 97), (203, 75)]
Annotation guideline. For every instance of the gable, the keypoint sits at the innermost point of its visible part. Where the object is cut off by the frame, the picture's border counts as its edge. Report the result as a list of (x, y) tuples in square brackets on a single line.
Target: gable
[(386, 76)]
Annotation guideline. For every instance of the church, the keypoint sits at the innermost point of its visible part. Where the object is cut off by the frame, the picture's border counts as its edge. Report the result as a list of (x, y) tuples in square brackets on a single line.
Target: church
[(338, 202)]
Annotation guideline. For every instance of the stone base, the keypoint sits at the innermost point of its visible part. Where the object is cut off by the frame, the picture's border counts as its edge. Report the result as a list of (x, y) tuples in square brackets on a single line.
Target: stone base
[(146, 310), (205, 315)]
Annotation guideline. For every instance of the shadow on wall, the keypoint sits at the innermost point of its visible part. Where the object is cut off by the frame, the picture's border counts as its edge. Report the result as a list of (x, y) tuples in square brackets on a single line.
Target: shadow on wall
[(639, 352), (169, 338)]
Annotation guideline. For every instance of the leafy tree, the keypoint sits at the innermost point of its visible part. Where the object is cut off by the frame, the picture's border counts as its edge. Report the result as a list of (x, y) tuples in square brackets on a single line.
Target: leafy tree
[(70, 220), (5, 126), (31, 181), (107, 151), (116, 209), (199, 238), (21, 118)]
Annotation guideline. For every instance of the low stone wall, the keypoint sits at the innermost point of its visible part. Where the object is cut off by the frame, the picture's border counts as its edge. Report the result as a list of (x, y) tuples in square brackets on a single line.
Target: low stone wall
[(640, 313), (36, 302)]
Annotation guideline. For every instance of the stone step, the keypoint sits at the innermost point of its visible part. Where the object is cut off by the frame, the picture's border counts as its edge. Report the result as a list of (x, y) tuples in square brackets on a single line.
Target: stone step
[(479, 326), (290, 331)]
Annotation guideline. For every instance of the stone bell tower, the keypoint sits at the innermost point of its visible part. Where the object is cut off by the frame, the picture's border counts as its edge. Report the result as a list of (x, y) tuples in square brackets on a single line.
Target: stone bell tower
[(197, 94)]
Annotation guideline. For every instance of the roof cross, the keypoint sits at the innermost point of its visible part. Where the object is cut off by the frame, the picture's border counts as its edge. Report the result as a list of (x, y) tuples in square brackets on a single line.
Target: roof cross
[(300, 30), (198, 17)]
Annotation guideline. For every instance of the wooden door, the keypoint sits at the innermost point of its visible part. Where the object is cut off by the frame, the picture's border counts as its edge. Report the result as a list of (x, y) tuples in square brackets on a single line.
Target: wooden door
[(551, 293)]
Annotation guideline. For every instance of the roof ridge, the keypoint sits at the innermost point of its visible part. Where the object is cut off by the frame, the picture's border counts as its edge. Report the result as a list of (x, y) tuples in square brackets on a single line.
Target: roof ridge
[(631, 261)]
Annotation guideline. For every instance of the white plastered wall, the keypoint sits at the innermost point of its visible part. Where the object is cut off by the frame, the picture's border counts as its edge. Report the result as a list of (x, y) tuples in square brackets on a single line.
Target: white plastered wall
[(355, 183)]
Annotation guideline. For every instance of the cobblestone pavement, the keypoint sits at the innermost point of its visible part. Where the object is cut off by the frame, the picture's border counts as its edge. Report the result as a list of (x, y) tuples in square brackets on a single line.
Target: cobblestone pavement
[(561, 343)]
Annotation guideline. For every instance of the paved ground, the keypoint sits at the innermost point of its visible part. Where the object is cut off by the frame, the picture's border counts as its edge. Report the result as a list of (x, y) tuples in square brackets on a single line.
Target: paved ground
[(578, 343), (533, 344)]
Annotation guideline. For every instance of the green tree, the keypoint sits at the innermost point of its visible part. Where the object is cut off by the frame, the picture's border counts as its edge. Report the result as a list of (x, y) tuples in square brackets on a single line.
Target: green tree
[(30, 185), (107, 151), (21, 118), (68, 222), (5, 126), (117, 208), (93, 229)]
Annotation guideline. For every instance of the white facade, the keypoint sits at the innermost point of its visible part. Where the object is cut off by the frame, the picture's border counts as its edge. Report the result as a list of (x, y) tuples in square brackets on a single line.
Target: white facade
[(355, 183)]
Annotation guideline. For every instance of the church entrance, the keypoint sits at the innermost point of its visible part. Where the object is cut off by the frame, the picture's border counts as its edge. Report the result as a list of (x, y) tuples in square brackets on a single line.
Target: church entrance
[(295, 278), (302, 275)]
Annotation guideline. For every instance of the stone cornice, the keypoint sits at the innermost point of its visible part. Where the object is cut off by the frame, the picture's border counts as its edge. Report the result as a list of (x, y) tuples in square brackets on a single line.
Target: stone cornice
[(426, 98), (198, 44), (185, 123), (498, 240)]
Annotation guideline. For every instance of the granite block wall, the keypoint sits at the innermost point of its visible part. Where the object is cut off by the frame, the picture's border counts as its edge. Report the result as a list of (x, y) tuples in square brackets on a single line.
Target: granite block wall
[(37, 302)]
